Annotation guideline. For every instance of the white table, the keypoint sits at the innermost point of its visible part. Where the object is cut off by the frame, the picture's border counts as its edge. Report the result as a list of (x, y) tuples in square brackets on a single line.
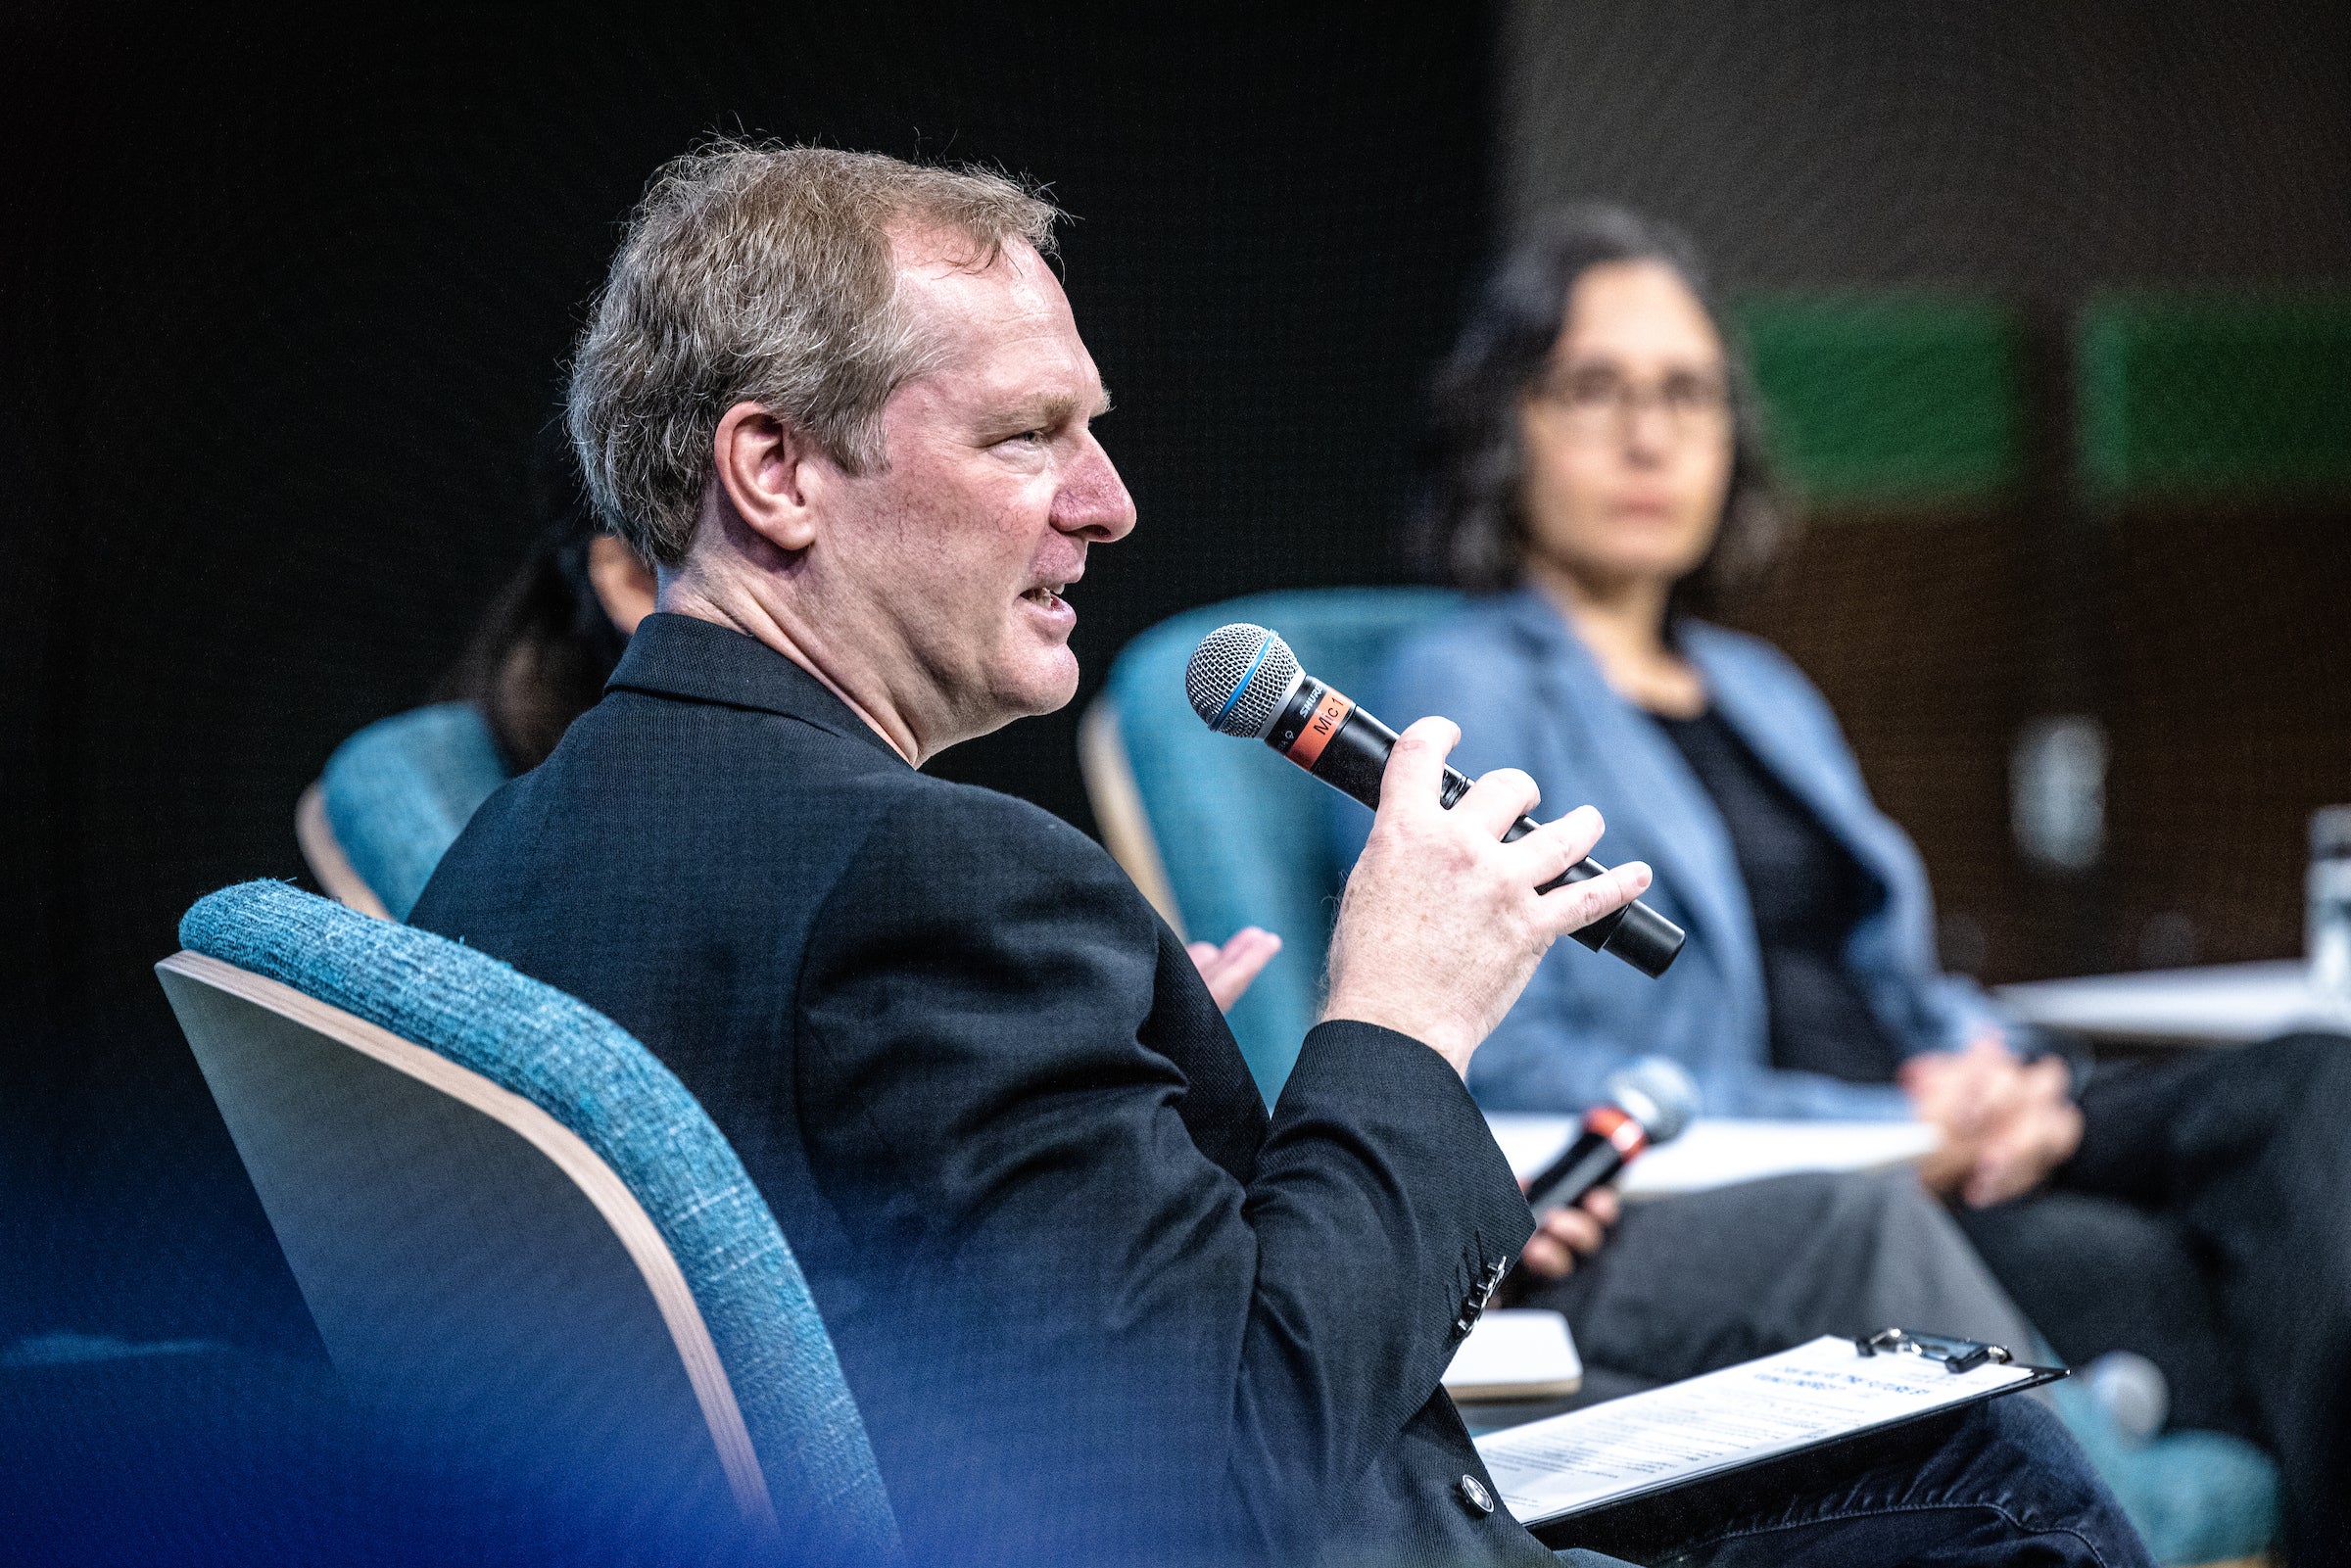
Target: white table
[(1718, 1153), (2219, 1004)]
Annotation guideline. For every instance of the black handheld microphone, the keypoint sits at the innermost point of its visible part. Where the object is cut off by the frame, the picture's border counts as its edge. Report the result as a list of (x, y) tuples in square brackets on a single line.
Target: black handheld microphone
[(1650, 1103), (1244, 681)]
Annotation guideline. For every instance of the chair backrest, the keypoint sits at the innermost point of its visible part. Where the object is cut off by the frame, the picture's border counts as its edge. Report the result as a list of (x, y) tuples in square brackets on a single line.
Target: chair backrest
[(516, 1229), (393, 799), (1233, 834)]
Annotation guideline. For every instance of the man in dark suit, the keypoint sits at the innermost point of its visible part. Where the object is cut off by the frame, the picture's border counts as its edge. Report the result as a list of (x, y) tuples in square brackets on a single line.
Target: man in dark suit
[(1095, 1304)]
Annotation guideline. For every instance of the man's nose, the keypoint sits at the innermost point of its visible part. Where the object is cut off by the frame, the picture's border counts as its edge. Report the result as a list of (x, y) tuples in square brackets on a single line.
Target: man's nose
[(1093, 502)]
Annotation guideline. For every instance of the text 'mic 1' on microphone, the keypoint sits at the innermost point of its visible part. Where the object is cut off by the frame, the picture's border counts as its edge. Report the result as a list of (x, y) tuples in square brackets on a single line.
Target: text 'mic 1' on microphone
[(1244, 681), (1648, 1102)]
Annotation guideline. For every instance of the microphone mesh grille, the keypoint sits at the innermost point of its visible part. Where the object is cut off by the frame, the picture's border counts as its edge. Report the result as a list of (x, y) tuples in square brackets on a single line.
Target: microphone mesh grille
[(1672, 1093), (1223, 660)]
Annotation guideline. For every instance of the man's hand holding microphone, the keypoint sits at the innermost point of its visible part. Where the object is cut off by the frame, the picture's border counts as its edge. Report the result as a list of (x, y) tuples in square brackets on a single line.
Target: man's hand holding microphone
[(1442, 926)]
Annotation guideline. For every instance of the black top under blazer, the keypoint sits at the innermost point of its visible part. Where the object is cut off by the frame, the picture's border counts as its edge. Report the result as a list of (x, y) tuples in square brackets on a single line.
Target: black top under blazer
[(1094, 1303)]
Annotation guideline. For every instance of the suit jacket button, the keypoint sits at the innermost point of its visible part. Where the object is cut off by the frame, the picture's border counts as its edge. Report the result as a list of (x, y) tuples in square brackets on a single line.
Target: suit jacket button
[(1473, 1493)]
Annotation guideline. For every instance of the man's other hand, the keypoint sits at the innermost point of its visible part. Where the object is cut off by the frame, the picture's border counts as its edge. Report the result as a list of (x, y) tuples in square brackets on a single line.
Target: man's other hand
[(1229, 969), (1441, 926), (1563, 1235)]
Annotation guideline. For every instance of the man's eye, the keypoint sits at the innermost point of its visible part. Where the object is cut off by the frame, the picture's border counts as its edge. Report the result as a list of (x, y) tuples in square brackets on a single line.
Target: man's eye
[(1030, 436)]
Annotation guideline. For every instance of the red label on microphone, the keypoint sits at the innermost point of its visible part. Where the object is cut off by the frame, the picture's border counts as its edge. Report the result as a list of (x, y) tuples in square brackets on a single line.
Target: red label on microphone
[(1627, 1135), (1329, 714)]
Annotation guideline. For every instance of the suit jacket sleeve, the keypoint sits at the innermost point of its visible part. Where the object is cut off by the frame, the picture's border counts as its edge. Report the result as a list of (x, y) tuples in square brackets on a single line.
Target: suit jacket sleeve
[(1127, 1337)]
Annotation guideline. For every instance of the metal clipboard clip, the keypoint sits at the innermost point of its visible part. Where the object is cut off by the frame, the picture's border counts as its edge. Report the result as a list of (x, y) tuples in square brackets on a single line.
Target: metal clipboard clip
[(1956, 1356)]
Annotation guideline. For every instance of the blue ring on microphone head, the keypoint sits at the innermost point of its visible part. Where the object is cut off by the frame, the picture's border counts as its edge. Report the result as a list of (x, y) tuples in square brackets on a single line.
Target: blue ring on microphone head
[(1247, 676)]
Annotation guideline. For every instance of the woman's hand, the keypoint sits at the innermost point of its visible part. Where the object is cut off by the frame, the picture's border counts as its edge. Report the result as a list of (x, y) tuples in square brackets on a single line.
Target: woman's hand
[(1566, 1234), (2006, 1124), (2041, 1130), (1229, 969)]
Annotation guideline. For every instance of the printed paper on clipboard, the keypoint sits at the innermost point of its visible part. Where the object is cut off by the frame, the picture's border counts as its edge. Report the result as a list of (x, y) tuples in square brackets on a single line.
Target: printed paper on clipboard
[(1759, 1411)]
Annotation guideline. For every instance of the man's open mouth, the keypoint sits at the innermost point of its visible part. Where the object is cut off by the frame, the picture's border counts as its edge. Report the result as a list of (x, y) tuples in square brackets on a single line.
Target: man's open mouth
[(1045, 595)]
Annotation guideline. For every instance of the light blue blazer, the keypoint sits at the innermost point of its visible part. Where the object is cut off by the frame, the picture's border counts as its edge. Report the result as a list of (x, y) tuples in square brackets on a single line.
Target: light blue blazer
[(1526, 692)]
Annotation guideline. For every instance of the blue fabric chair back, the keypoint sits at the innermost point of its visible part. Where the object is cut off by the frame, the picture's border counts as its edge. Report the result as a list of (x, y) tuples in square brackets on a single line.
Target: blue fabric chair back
[(632, 1114), (399, 791), (1240, 830)]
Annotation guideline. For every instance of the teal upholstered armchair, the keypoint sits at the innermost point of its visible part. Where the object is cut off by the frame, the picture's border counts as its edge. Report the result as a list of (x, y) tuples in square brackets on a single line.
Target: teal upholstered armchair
[(517, 1232), (392, 800)]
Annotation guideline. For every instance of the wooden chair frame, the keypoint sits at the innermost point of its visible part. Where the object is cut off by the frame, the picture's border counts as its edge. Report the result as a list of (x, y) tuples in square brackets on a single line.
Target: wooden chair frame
[(205, 993)]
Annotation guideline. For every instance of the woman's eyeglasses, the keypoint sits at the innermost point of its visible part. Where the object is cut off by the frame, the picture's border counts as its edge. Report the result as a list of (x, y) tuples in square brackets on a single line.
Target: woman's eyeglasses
[(1594, 402)]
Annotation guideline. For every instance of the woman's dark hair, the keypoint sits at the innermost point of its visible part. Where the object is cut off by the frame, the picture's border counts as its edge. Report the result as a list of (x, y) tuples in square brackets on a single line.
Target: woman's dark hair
[(1468, 529), (540, 653)]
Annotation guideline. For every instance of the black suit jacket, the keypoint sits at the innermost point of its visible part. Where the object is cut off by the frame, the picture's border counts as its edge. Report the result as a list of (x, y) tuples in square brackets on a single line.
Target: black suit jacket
[(1094, 1303)]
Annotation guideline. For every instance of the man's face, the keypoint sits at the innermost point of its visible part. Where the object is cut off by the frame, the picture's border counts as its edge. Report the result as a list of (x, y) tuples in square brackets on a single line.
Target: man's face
[(958, 548)]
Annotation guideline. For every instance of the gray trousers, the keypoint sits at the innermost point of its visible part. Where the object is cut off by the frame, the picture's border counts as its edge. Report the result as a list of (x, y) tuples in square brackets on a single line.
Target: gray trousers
[(1686, 1285)]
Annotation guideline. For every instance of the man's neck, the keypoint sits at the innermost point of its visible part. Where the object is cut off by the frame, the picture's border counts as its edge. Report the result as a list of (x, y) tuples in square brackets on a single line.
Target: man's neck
[(686, 591)]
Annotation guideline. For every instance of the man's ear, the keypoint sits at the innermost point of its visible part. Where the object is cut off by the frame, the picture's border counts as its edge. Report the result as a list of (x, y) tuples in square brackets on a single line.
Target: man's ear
[(772, 474)]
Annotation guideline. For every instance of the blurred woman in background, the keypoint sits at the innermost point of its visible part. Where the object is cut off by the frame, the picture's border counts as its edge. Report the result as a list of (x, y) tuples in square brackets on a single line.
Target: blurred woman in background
[(1600, 484)]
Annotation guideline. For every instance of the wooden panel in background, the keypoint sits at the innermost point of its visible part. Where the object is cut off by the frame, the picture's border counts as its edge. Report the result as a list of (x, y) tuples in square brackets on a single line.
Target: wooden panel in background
[(2231, 717), (2225, 641), (1917, 630)]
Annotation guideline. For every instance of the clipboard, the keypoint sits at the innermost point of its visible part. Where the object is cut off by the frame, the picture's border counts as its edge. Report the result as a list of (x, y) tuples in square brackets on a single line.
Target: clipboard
[(1651, 1464)]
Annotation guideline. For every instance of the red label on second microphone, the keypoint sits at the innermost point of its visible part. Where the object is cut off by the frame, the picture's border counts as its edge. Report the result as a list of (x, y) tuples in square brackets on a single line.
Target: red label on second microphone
[(1611, 1124)]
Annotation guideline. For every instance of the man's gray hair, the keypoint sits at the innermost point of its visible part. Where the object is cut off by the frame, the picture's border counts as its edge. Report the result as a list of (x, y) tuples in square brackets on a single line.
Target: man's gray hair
[(762, 274)]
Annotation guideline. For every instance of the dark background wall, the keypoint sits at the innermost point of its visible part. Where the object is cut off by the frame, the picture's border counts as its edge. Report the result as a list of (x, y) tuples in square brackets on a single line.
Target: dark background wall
[(286, 306), (2044, 148), (2039, 156)]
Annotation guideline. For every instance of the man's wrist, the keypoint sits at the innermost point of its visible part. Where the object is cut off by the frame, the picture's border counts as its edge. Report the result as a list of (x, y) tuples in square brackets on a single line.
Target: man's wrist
[(1446, 1041)]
